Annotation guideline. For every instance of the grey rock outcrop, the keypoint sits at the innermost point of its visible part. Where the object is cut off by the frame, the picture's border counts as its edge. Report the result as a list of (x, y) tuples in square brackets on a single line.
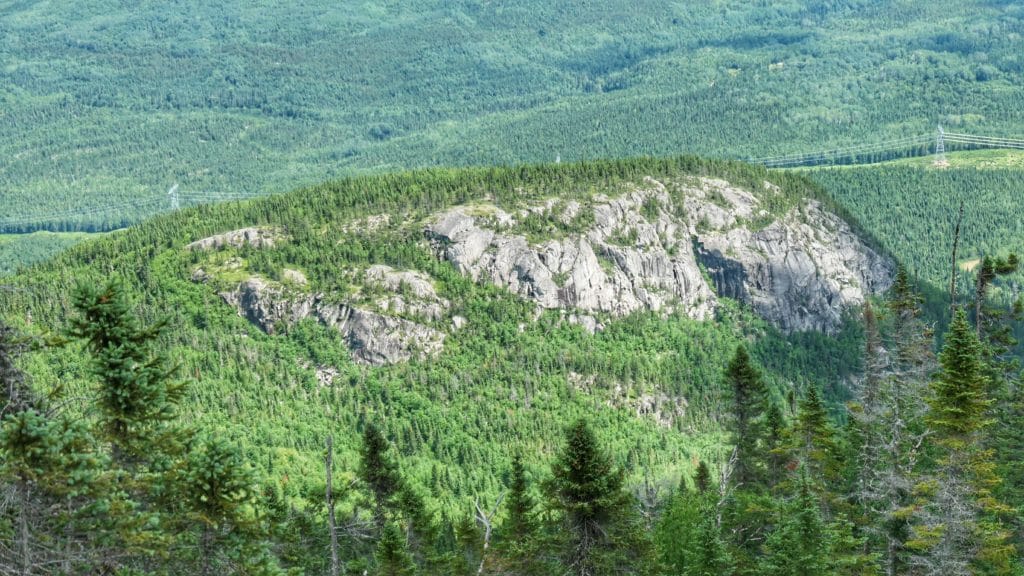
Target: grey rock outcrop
[(644, 250), (588, 271), (372, 338), (254, 237)]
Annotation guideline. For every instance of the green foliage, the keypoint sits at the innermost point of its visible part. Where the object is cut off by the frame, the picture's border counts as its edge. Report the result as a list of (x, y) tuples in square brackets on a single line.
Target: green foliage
[(125, 101), (20, 250), (749, 401), (602, 534), (799, 545), (911, 210), (960, 390), (137, 389)]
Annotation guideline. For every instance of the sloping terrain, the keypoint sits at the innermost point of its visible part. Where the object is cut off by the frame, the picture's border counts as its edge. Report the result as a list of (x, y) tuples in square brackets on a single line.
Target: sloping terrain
[(307, 313), (105, 103)]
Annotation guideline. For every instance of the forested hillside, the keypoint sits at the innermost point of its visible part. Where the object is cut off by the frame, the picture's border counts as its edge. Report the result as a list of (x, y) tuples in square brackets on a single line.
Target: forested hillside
[(912, 207), (153, 422), (105, 104)]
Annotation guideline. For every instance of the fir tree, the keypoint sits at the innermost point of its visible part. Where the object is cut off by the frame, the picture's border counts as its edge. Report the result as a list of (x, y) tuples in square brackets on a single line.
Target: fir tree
[(702, 479), (380, 473), (138, 392), (601, 533), (815, 439), (799, 545), (749, 395), (958, 529), (392, 555)]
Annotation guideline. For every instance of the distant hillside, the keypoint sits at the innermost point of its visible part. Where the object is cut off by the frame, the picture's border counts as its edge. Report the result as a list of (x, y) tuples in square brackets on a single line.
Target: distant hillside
[(105, 103), (308, 313), (911, 207)]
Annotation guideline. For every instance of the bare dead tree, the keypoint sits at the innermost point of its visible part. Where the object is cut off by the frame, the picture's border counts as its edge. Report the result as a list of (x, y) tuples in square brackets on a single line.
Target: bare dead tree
[(329, 497), (486, 520), (956, 244), (725, 487)]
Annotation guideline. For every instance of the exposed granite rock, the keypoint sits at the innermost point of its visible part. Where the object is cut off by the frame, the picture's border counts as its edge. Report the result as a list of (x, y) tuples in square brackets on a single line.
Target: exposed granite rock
[(656, 272), (255, 237), (412, 293), (373, 338), (800, 271)]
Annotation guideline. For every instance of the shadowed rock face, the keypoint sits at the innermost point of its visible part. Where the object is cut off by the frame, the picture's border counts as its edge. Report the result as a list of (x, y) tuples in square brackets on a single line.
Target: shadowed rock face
[(644, 250)]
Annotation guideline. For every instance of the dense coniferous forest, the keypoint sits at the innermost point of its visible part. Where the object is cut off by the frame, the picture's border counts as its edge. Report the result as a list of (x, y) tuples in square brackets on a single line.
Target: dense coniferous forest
[(147, 428), (112, 104), (175, 400)]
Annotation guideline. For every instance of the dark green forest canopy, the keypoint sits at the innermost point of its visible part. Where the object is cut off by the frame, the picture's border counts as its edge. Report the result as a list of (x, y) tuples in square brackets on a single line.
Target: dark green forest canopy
[(496, 385), (103, 103)]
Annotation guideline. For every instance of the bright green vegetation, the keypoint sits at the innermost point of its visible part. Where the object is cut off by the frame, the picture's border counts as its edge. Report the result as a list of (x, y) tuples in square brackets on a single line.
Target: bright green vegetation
[(505, 383), (24, 249), (103, 103), (494, 385), (920, 475), (911, 207)]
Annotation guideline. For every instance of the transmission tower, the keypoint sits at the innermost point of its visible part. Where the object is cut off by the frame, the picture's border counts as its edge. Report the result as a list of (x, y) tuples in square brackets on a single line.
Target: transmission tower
[(173, 194), (940, 148)]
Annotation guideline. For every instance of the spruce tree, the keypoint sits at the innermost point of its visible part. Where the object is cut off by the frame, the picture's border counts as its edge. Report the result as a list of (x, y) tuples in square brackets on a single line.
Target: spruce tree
[(519, 538), (392, 556), (749, 400), (602, 532), (815, 439), (380, 473), (799, 545), (958, 529), (138, 392)]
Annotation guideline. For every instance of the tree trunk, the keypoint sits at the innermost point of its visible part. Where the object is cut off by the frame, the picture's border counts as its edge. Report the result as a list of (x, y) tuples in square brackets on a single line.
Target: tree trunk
[(329, 496), (24, 538)]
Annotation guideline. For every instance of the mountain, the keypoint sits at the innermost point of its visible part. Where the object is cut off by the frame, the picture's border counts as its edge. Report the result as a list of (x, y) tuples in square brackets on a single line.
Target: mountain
[(466, 310)]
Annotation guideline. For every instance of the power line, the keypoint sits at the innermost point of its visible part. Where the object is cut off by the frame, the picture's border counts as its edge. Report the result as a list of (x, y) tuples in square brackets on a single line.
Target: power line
[(198, 197)]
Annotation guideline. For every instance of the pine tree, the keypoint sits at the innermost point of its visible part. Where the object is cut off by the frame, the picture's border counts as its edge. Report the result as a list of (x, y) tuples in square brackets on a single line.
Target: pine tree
[(749, 395), (601, 534)]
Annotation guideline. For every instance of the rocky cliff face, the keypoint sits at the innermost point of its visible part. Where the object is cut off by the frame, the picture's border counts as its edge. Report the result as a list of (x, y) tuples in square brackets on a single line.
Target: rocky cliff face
[(677, 246), (373, 338), (644, 250)]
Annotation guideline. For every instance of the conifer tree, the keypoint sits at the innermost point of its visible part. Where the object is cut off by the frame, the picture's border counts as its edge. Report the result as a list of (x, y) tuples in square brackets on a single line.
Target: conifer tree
[(392, 555), (602, 533), (815, 439), (380, 473), (799, 545), (702, 479), (749, 395), (138, 392), (519, 540), (887, 424), (959, 530)]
